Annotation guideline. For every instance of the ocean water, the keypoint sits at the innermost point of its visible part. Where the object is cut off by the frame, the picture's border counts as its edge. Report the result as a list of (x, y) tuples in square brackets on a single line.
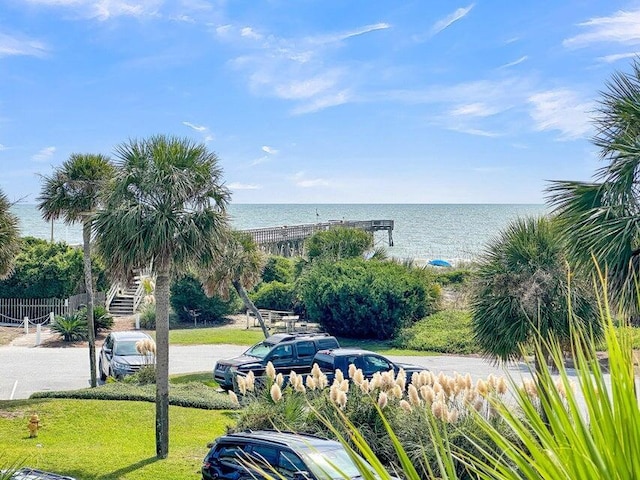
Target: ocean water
[(421, 232)]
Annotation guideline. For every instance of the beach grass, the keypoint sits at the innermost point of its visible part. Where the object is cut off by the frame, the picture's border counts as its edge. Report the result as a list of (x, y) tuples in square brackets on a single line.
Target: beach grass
[(89, 439)]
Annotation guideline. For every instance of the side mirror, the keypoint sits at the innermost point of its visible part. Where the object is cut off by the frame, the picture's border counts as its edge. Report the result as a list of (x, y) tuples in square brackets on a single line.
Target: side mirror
[(106, 350)]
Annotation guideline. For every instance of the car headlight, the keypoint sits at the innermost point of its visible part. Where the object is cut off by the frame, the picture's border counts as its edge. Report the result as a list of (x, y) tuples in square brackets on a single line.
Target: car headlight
[(119, 366)]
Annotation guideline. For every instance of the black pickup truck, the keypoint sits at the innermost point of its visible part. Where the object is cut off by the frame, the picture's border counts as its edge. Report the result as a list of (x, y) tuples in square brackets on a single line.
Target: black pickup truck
[(369, 362), (286, 351)]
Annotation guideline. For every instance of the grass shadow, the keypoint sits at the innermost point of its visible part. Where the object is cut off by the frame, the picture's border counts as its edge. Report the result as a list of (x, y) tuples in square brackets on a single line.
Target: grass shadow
[(131, 468)]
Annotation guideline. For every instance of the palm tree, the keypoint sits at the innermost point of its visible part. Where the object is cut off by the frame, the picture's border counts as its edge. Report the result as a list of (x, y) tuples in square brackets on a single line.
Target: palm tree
[(523, 291), (9, 237), (601, 219), (166, 211), (240, 267), (73, 192)]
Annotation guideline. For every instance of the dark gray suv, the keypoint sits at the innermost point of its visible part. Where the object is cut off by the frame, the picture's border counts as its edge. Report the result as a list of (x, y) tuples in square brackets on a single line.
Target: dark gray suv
[(286, 351), (293, 456)]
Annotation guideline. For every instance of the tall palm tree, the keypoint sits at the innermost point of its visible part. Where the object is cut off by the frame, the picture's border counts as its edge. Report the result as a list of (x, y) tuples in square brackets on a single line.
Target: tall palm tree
[(9, 237), (166, 211), (73, 192), (523, 290), (601, 219), (241, 268)]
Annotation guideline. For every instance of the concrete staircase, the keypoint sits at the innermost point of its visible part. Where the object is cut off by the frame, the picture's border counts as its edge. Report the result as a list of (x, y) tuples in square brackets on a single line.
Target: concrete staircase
[(123, 302)]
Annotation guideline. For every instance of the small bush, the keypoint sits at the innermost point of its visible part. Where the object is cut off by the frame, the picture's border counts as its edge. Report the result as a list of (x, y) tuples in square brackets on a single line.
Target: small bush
[(102, 319), (146, 375), (449, 331), (71, 327), (275, 296), (278, 269), (148, 316), (187, 294)]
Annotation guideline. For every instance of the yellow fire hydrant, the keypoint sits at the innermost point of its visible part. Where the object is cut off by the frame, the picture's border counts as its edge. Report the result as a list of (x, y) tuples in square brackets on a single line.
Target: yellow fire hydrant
[(34, 424)]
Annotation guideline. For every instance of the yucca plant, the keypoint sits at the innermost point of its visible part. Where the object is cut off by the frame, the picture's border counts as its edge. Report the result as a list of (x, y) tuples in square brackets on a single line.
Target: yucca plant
[(71, 327)]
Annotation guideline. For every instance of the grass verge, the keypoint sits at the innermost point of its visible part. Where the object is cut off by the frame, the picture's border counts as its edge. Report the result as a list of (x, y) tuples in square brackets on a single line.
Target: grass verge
[(107, 440), (215, 335)]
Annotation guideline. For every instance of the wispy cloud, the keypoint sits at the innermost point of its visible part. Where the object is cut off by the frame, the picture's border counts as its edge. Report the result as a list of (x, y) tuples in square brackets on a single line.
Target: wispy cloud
[(621, 27), (477, 109), (243, 186), (300, 70), (301, 180), (2, 147), (258, 161), (20, 45), (269, 150), (44, 154), (450, 19), (562, 110), (515, 62), (197, 128), (106, 9), (618, 56), (207, 136)]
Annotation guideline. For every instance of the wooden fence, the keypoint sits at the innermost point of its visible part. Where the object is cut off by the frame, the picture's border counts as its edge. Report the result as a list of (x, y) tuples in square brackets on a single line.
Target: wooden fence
[(13, 310)]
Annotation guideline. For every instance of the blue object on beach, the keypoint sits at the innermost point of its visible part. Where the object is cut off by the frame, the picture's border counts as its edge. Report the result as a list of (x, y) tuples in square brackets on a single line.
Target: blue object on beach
[(439, 263)]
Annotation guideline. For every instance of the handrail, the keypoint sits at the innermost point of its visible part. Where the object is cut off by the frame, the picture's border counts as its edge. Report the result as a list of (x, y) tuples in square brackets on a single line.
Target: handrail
[(111, 293), (137, 297)]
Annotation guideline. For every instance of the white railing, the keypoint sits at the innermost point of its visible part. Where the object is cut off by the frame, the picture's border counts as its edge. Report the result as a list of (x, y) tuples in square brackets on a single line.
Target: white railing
[(137, 297), (111, 293)]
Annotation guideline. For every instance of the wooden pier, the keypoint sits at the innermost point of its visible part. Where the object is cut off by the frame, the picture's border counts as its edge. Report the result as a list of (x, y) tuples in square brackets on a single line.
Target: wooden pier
[(288, 240)]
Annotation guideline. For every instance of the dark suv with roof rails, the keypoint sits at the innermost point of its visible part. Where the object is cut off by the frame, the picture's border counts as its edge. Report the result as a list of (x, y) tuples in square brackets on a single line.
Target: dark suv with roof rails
[(286, 455), (286, 351)]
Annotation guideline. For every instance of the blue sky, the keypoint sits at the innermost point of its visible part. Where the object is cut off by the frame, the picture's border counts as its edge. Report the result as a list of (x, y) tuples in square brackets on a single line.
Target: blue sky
[(326, 101)]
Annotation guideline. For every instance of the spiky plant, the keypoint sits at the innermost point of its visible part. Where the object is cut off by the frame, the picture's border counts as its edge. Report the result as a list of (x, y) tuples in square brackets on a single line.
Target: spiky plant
[(9, 237)]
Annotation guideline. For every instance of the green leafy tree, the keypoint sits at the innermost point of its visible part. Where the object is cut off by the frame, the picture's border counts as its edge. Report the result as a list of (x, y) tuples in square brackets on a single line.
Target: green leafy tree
[(166, 211), (47, 270), (73, 193), (365, 299), (601, 219), (523, 291), (241, 268), (338, 243), (9, 237), (188, 294), (278, 269)]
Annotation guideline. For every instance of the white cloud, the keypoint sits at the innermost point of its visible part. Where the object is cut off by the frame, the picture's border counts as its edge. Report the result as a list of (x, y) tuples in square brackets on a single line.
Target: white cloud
[(300, 180), (621, 27), (44, 154), (618, 56), (474, 131), (477, 109), (561, 110), (106, 9), (10, 45), (515, 62), (269, 150), (2, 147), (296, 69), (243, 186), (260, 160), (450, 19), (197, 128)]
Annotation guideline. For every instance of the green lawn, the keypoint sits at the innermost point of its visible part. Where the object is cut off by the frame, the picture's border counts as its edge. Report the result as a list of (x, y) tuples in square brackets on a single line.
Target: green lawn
[(94, 439), (215, 335)]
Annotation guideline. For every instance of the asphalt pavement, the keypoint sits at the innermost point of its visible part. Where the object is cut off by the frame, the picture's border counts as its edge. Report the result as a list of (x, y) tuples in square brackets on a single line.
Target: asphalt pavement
[(25, 368)]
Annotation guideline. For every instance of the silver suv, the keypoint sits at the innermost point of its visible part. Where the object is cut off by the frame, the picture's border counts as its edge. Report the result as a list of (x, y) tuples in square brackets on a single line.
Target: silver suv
[(120, 355)]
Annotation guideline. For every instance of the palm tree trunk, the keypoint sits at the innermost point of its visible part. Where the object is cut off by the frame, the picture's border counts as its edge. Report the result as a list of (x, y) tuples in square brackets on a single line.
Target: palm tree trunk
[(162, 362), (249, 304), (88, 281)]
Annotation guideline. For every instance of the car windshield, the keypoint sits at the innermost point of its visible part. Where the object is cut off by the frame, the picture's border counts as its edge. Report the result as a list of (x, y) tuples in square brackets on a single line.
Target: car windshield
[(334, 463), (260, 350), (126, 347)]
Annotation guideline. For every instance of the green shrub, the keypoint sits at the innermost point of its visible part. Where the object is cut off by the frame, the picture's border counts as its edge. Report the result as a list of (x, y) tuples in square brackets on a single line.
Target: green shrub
[(338, 243), (187, 294), (274, 296), (148, 316), (102, 319), (366, 299), (144, 376), (448, 331), (192, 395), (278, 269), (71, 327), (455, 276), (49, 270)]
